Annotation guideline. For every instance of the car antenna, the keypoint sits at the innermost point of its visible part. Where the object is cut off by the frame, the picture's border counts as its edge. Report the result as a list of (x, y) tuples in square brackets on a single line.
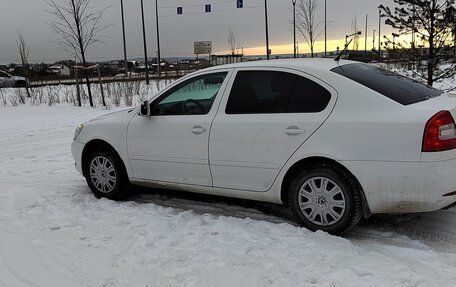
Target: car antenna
[(343, 51)]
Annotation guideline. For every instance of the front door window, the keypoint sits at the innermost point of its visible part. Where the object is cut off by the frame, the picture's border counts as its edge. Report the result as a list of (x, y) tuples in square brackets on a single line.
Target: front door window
[(193, 97)]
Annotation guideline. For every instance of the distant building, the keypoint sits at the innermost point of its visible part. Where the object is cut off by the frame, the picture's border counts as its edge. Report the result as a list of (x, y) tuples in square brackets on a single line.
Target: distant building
[(60, 69), (119, 65), (115, 65)]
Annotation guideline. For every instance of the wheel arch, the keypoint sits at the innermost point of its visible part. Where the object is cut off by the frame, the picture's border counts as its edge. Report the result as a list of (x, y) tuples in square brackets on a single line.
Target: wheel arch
[(299, 165), (98, 145)]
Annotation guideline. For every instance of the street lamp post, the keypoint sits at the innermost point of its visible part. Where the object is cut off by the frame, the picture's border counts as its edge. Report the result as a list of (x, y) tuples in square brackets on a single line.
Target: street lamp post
[(145, 42), (379, 33), (294, 28), (124, 40), (373, 40), (348, 36), (351, 35), (365, 38), (326, 34), (394, 40), (158, 41), (267, 30)]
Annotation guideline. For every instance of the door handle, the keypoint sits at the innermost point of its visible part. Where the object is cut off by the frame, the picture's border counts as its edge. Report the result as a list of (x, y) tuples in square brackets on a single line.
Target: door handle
[(293, 131), (198, 130)]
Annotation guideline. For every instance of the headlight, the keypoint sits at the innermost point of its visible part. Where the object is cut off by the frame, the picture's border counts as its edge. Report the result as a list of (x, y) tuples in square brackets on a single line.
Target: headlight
[(78, 131)]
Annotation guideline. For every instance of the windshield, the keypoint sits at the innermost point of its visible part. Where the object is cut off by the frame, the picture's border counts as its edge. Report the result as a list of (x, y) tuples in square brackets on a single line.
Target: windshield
[(401, 89)]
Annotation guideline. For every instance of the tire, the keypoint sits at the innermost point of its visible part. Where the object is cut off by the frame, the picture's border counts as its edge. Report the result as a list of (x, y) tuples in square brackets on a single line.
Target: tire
[(106, 176), (325, 197)]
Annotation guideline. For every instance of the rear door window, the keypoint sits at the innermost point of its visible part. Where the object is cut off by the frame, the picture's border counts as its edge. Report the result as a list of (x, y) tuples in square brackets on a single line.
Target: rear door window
[(394, 86), (262, 92)]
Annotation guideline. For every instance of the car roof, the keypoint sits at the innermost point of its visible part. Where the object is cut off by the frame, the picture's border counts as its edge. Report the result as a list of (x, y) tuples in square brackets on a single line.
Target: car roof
[(315, 63)]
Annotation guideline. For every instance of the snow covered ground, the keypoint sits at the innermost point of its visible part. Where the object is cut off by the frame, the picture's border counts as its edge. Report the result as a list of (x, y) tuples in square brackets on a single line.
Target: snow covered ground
[(53, 232)]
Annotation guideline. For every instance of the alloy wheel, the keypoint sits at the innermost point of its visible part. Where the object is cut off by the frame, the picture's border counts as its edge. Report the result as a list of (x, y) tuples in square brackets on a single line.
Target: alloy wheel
[(103, 174), (321, 201)]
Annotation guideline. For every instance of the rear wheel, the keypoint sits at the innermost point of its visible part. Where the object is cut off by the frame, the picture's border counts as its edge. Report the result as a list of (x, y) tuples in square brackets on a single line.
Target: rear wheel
[(106, 176), (325, 197)]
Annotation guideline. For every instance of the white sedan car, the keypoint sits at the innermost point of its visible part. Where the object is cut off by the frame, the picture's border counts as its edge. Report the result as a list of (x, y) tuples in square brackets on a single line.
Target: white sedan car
[(10, 81), (334, 141)]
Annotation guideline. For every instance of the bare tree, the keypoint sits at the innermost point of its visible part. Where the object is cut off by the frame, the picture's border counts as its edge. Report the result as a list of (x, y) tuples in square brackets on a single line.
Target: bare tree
[(231, 39), (24, 51), (79, 26), (306, 23), (432, 21)]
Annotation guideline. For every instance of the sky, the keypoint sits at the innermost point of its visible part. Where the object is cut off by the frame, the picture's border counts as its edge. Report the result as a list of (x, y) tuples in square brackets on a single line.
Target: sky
[(179, 32)]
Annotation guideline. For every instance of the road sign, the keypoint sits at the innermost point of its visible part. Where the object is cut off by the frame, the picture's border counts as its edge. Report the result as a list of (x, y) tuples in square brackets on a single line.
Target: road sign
[(179, 10), (203, 47), (208, 8), (240, 3)]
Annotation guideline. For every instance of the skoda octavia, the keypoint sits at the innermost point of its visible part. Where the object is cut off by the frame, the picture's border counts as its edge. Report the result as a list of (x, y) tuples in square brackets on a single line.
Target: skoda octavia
[(332, 140)]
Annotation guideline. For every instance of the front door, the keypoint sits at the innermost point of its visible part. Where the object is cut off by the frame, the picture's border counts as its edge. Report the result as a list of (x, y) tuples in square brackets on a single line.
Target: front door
[(172, 144)]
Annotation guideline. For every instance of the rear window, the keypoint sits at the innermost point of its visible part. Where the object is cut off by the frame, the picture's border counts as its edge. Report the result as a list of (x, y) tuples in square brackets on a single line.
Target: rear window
[(394, 86)]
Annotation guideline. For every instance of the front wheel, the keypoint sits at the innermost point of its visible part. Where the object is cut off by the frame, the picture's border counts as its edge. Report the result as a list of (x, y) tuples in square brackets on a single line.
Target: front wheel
[(106, 176), (325, 197)]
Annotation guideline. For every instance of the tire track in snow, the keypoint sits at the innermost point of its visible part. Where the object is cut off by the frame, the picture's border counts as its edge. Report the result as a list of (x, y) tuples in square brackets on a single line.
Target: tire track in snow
[(377, 229), (436, 240), (6, 261)]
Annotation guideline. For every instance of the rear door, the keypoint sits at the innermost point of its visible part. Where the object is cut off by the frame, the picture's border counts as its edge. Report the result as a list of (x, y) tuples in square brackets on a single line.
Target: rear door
[(262, 121)]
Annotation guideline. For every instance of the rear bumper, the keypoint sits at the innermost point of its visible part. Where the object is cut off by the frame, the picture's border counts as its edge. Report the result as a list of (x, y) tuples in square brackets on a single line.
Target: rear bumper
[(405, 187), (76, 151)]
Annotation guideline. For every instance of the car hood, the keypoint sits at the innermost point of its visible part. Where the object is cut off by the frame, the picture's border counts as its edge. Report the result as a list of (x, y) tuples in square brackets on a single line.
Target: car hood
[(114, 115)]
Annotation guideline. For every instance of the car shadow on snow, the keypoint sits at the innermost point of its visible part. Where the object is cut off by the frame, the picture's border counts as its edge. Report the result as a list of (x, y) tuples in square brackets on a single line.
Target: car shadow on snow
[(425, 230)]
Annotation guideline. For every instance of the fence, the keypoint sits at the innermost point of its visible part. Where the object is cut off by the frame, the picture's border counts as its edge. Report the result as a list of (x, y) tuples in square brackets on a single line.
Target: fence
[(119, 78)]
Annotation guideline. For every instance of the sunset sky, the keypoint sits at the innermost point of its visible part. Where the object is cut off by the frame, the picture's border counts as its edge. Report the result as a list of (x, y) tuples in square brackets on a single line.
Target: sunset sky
[(178, 32)]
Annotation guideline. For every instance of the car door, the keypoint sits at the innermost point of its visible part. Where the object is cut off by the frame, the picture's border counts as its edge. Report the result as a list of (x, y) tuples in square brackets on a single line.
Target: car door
[(262, 121), (171, 145)]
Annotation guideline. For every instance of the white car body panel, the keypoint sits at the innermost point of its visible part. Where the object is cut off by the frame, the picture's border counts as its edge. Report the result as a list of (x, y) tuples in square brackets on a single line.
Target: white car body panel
[(110, 128), (376, 139), (248, 150), (173, 153)]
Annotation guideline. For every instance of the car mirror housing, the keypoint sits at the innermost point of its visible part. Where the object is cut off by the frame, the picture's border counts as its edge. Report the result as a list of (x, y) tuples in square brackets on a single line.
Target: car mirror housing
[(144, 109)]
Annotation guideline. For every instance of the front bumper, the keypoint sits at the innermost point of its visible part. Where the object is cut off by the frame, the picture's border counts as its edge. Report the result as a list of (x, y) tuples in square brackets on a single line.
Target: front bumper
[(76, 151)]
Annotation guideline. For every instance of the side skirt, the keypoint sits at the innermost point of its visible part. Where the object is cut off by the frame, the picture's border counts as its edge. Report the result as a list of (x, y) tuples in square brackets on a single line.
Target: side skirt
[(241, 194)]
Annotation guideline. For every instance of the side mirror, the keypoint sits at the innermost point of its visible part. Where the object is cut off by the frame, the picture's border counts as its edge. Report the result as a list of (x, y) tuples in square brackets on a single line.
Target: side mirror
[(144, 109)]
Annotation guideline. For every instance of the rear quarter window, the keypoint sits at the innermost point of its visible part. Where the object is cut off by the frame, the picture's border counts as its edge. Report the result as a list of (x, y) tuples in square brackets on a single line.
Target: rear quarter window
[(308, 97), (398, 88)]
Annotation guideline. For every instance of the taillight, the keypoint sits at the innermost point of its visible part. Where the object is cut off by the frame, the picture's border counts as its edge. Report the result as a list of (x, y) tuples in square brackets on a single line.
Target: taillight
[(440, 133)]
